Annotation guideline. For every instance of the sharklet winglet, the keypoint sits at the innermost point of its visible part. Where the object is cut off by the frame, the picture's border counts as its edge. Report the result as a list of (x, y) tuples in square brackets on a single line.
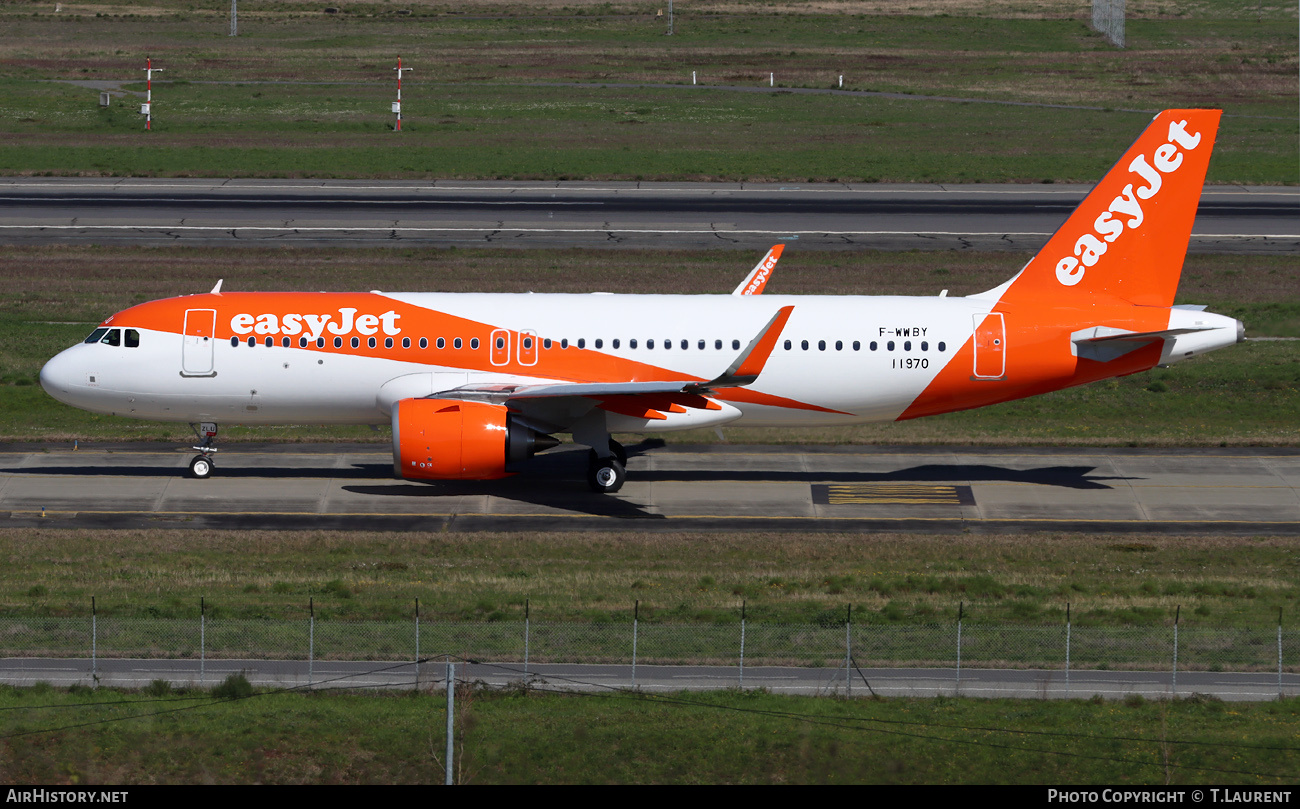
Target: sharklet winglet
[(744, 370)]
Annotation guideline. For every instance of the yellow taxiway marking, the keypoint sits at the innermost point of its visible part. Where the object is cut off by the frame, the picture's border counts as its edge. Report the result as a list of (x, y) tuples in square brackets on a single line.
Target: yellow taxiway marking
[(843, 494)]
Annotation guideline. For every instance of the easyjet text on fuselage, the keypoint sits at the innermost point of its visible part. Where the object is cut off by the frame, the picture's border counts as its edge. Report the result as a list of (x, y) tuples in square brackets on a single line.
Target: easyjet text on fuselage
[(344, 322)]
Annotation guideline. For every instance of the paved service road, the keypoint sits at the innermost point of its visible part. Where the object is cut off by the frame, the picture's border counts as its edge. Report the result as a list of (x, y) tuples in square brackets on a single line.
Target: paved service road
[(1001, 683), (565, 214), (697, 488)]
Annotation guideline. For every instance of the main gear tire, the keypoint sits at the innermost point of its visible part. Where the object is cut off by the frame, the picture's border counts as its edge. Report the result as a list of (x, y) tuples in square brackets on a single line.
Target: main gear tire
[(606, 475)]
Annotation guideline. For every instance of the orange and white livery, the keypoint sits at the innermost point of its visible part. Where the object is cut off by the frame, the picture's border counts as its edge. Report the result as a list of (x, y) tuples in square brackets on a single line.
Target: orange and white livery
[(475, 383)]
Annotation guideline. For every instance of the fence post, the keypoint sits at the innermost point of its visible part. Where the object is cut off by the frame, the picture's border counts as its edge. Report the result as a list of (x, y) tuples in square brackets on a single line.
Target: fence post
[(527, 634), (94, 644), (417, 644), (451, 713), (203, 637), (961, 606), (311, 640), (1279, 653), (636, 617), (742, 645), (1067, 650), (848, 651), (1174, 683)]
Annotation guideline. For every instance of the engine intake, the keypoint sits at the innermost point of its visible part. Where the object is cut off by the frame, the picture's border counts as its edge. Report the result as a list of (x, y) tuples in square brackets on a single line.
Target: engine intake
[(447, 439)]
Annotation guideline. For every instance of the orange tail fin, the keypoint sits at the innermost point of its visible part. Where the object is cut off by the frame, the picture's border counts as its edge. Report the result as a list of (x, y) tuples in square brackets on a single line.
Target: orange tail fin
[(1128, 238)]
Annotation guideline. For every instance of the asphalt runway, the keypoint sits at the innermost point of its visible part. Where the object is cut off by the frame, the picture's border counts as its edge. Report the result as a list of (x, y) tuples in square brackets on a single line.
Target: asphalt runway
[(1231, 219), (1226, 491)]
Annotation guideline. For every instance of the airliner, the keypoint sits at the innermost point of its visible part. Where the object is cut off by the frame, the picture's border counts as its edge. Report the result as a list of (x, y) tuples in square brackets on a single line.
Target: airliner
[(474, 384)]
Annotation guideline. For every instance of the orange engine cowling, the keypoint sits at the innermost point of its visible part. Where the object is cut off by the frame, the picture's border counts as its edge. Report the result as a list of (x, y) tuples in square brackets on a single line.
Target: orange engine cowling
[(446, 439)]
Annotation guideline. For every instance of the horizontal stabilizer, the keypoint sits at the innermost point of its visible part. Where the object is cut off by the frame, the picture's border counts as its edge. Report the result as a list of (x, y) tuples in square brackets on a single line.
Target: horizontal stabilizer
[(1105, 343)]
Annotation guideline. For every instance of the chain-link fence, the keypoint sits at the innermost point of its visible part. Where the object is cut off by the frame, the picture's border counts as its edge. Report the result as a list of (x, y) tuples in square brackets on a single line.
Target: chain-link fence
[(960, 645), (1108, 20)]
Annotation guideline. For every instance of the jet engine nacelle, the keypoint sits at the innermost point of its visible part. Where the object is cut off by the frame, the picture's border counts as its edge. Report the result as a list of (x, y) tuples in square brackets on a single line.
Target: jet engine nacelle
[(447, 439)]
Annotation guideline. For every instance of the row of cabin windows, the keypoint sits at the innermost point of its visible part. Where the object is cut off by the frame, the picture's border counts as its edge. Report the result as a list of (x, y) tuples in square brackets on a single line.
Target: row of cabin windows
[(458, 343), (650, 343), (130, 338), (873, 345), (133, 339), (371, 342), (115, 337)]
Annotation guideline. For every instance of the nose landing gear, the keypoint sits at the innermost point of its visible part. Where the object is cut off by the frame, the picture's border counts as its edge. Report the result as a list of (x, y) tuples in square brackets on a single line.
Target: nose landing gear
[(201, 465)]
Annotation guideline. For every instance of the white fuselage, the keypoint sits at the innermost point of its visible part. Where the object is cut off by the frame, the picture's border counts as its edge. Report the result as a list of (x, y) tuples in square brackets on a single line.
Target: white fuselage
[(855, 359)]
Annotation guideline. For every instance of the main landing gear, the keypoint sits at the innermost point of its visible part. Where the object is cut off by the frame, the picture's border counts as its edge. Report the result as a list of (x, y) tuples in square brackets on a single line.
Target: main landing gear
[(607, 475), (201, 464)]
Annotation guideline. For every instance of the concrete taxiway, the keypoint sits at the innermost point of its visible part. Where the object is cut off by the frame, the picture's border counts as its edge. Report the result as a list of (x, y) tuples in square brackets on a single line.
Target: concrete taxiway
[(670, 488), (605, 678)]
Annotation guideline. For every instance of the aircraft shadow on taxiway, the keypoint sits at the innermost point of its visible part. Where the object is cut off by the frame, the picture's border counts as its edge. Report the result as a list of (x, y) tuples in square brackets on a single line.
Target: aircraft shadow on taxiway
[(551, 479), (556, 479)]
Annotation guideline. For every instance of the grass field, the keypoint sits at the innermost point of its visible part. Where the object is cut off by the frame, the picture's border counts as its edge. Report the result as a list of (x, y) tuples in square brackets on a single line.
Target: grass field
[(303, 93), (782, 578), (529, 737)]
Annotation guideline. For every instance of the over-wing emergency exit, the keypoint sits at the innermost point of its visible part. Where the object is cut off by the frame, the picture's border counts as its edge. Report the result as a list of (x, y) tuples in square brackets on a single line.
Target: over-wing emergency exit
[(475, 383)]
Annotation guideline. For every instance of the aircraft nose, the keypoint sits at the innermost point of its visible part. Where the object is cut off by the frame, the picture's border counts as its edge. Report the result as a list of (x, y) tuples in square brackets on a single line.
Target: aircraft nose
[(59, 375)]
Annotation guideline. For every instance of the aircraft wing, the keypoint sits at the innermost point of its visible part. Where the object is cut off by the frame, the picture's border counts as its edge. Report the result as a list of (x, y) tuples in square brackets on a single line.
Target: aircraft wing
[(641, 397)]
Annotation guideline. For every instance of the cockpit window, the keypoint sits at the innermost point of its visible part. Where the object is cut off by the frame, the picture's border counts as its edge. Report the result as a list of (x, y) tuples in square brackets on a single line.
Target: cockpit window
[(95, 335), (132, 338), (113, 337)]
